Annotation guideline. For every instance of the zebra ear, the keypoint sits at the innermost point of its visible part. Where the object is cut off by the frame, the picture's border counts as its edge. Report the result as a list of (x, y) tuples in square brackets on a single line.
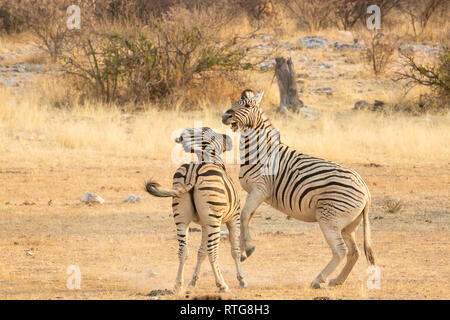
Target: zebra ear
[(258, 97)]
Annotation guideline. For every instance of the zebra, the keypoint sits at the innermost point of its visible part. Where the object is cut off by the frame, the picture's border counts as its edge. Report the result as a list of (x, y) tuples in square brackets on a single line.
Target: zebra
[(307, 188), (204, 193)]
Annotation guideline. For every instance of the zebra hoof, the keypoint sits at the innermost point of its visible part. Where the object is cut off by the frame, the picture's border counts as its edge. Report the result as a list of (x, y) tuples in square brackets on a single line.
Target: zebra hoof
[(224, 289), (243, 285), (243, 257), (315, 284), (249, 251), (334, 282), (179, 289)]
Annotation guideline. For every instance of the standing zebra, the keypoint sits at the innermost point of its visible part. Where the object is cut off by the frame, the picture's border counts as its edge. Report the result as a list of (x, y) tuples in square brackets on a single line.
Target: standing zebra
[(204, 193), (304, 187)]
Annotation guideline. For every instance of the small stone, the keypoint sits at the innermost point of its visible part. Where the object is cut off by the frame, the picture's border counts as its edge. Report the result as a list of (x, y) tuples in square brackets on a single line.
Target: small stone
[(327, 90), (132, 198), (151, 273), (313, 42), (90, 197), (326, 65), (308, 113)]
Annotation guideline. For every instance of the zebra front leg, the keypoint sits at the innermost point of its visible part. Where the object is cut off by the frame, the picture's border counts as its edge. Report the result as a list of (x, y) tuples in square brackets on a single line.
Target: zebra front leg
[(234, 229), (334, 238), (200, 257), (253, 201), (213, 252), (182, 238)]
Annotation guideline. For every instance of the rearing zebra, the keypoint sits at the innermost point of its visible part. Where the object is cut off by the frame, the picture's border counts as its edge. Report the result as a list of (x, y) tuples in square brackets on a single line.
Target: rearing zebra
[(304, 187), (204, 193)]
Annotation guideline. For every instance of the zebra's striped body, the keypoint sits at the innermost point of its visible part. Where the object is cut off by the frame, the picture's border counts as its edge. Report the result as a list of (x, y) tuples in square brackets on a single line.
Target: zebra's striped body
[(304, 187), (204, 193)]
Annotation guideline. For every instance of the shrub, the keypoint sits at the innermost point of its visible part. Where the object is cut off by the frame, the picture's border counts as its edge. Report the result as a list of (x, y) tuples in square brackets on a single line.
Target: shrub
[(378, 52), (434, 74), (47, 19), (312, 14), (420, 12), (172, 52)]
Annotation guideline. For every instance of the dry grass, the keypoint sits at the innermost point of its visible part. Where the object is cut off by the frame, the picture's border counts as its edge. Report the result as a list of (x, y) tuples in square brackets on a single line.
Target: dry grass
[(31, 127)]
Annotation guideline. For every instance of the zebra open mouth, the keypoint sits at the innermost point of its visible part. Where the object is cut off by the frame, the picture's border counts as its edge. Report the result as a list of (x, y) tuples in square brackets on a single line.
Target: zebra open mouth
[(234, 126)]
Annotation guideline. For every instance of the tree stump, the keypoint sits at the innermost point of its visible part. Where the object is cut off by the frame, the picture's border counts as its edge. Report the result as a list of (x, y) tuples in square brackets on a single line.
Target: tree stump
[(284, 71)]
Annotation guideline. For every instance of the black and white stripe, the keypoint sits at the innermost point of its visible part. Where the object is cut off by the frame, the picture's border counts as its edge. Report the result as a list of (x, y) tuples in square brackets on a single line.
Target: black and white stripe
[(204, 193), (304, 187)]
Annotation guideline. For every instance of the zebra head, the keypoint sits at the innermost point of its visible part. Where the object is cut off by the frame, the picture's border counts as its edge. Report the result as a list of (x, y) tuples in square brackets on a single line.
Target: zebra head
[(244, 113), (207, 144)]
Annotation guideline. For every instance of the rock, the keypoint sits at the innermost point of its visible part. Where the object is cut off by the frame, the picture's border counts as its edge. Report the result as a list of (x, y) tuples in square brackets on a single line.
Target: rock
[(364, 105), (267, 65), (361, 105), (267, 37), (326, 90), (90, 197), (34, 67), (308, 113), (406, 46), (338, 46), (378, 103), (159, 292), (286, 110), (313, 42), (132, 198), (326, 65), (151, 273), (9, 82)]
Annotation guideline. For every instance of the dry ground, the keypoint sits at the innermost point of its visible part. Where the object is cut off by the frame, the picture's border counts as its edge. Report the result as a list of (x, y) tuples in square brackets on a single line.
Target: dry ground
[(124, 251)]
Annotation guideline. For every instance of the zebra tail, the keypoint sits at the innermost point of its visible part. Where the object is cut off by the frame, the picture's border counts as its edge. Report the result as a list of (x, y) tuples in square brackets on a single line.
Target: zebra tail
[(367, 246), (152, 187)]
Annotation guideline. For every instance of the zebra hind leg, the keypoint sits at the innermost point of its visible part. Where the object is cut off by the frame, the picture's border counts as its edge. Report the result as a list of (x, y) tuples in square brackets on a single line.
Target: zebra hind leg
[(336, 242), (182, 238), (200, 257), (348, 233), (213, 251), (234, 229)]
